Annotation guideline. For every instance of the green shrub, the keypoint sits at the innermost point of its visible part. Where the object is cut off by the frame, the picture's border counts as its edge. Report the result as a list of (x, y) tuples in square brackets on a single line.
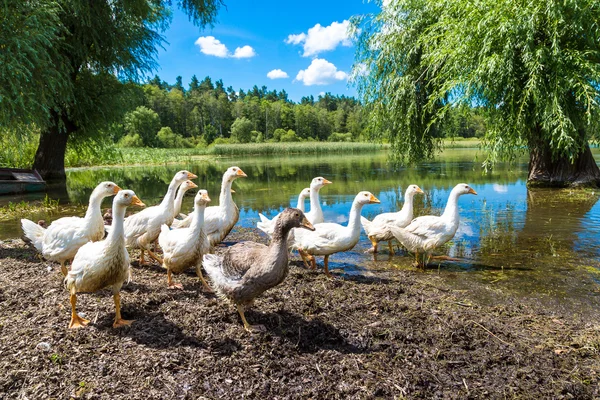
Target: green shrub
[(131, 141), (222, 140), (340, 137), (168, 139), (257, 137), (278, 133), (290, 136), (241, 130)]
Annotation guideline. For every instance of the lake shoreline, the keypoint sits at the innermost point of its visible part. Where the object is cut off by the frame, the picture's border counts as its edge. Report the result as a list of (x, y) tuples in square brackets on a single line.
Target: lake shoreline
[(399, 334)]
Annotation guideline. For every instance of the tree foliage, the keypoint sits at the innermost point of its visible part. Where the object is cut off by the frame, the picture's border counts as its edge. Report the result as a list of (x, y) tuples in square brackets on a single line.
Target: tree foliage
[(533, 66), (65, 65)]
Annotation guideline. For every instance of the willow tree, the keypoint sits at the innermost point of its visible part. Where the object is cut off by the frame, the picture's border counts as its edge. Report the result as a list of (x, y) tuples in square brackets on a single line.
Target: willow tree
[(533, 66), (70, 61)]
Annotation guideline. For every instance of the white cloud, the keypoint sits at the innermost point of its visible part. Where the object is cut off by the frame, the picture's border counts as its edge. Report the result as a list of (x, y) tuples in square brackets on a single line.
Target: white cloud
[(277, 74), (296, 39), (320, 72), (212, 46), (322, 38), (244, 52)]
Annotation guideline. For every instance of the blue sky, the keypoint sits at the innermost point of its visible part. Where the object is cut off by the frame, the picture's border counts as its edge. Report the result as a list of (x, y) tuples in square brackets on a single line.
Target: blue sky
[(251, 39)]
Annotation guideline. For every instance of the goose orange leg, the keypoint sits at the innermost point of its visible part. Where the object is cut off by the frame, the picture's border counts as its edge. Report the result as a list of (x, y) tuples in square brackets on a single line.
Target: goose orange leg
[(63, 268), (247, 326), (326, 264), (76, 320), (154, 256), (204, 283), (170, 283), (118, 320)]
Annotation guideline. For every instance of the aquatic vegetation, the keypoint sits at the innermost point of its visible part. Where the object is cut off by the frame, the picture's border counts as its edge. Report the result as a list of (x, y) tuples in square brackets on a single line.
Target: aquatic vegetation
[(296, 148), (23, 208)]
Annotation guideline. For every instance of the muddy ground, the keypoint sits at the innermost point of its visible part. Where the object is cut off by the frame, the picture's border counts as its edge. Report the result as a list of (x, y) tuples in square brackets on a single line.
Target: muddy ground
[(401, 335)]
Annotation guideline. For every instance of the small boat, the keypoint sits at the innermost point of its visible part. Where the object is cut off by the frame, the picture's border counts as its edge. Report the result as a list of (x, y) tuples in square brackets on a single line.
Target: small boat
[(16, 180)]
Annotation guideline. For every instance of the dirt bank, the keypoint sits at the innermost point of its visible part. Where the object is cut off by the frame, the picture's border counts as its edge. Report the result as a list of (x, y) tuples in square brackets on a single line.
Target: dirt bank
[(401, 335)]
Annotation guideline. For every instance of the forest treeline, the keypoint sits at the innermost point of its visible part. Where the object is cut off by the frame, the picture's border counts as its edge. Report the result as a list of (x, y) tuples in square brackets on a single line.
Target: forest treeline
[(206, 112)]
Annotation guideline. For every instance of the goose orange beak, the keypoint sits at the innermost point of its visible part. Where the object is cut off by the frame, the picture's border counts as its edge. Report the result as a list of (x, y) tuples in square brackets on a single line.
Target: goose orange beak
[(241, 173), (205, 197), (420, 191), (192, 176), (137, 202), (232, 191), (471, 191), (373, 200), (307, 225), (326, 182), (191, 184), (116, 189)]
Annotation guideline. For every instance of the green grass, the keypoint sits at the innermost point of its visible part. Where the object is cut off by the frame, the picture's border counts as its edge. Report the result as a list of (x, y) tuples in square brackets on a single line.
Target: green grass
[(22, 208), (295, 148), (145, 155), (462, 143)]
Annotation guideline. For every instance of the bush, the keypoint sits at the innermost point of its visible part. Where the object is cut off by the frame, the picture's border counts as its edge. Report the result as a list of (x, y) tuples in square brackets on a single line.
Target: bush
[(241, 130), (278, 133), (222, 140), (340, 137), (168, 139), (131, 141), (257, 137), (290, 136), (145, 123)]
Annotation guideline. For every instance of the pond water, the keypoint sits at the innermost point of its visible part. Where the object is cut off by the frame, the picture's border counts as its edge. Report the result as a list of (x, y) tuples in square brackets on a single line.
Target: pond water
[(527, 243)]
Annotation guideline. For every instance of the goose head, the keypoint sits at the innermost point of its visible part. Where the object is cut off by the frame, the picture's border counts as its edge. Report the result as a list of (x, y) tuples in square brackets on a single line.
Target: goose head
[(201, 198), (187, 185), (305, 193), (366, 198), (233, 173), (318, 182), (294, 218), (412, 190), (127, 198), (183, 176), (463, 188), (106, 189)]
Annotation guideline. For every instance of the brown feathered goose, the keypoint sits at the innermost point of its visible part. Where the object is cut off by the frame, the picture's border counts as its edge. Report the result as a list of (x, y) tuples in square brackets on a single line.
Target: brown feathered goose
[(248, 269)]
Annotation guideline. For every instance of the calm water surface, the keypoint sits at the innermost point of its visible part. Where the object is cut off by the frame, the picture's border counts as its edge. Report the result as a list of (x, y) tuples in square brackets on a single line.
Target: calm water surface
[(528, 243)]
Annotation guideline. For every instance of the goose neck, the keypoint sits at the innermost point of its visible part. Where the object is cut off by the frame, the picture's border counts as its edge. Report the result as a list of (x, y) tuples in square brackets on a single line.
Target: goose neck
[(198, 220), (354, 218), (117, 230), (451, 210), (225, 199)]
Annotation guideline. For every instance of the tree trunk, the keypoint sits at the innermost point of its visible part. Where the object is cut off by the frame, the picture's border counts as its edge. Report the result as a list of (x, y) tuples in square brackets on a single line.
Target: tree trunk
[(546, 171), (50, 155)]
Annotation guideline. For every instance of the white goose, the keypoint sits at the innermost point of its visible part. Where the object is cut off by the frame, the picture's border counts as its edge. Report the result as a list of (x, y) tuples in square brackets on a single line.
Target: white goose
[(268, 225), (104, 263), (315, 215), (330, 238), (184, 247), (65, 236), (143, 228), (219, 220), (428, 232), (185, 186), (378, 229)]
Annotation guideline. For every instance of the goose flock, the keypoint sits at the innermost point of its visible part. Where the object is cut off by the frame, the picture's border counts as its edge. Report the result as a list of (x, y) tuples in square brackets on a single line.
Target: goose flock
[(99, 256)]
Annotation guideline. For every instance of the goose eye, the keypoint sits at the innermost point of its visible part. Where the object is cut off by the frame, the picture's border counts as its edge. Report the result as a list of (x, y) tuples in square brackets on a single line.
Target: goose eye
[(297, 215), (366, 194), (126, 195)]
